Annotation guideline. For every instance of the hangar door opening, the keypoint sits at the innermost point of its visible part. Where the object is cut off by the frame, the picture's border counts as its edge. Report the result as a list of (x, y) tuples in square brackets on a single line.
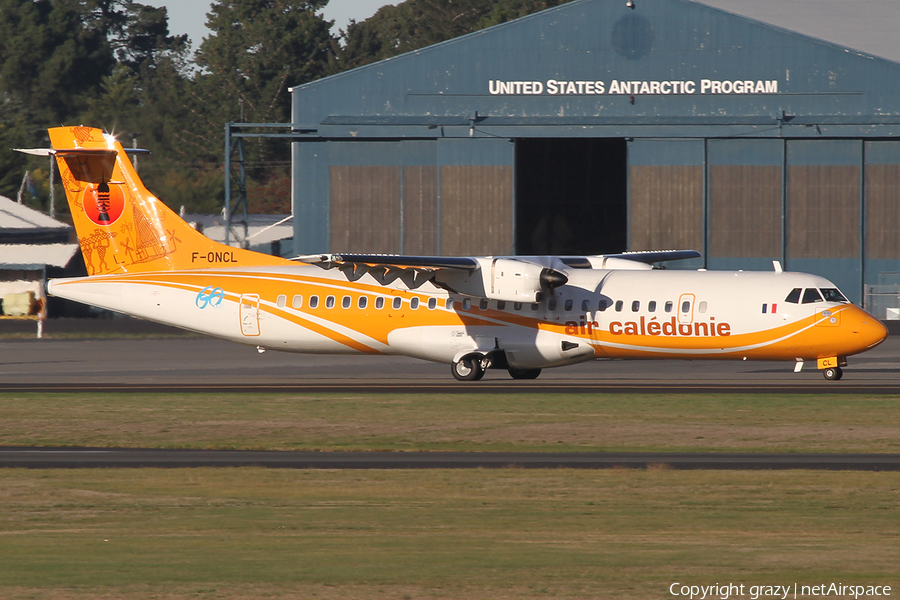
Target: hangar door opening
[(571, 196)]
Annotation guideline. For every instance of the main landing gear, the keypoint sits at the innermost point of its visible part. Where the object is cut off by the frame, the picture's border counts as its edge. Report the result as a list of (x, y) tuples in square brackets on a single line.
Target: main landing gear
[(473, 366), (524, 373), (469, 368), (833, 373)]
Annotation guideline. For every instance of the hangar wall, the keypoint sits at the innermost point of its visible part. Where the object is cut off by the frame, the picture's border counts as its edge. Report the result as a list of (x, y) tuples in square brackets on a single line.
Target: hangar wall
[(691, 128), (819, 206)]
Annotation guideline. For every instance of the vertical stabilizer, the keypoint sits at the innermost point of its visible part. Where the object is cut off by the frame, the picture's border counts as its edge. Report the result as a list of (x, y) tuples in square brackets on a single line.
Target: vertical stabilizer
[(123, 228)]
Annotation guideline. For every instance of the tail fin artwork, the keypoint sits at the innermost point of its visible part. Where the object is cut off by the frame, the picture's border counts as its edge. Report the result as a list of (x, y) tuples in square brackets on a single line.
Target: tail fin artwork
[(122, 227)]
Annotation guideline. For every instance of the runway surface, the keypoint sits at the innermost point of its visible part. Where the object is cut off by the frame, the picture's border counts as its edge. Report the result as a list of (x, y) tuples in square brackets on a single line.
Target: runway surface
[(203, 365), (194, 364), (66, 458)]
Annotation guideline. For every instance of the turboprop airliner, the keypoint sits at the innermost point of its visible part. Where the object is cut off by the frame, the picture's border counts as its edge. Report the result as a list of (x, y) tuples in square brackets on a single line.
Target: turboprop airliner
[(517, 313)]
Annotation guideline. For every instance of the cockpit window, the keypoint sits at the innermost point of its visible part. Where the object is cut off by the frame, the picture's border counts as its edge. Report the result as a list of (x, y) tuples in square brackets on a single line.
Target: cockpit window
[(811, 295), (833, 295), (794, 296)]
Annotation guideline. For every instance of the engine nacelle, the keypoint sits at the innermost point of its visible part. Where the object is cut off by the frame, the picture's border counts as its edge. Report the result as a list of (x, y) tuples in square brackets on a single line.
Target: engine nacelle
[(518, 281), (505, 279)]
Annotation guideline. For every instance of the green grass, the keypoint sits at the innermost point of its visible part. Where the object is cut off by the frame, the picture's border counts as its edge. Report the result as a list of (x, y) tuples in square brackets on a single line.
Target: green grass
[(497, 422), (252, 533)]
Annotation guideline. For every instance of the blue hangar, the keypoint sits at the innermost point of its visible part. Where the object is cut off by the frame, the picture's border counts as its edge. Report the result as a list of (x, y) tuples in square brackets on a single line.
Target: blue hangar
[(605, 125)]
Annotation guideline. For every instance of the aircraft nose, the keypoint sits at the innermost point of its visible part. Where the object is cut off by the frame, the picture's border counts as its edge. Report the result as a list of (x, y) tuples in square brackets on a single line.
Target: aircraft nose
[(867, 331)]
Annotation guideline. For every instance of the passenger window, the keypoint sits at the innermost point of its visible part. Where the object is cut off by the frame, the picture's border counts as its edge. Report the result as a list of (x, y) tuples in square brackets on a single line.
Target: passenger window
[(297, 301), (833, 295), (686, 306), (651, 306), (483, 304), (449, 304), (702, 306), (551, 304), (313, 301), (432, 303), (501, 305), (329, 302), (517, 305), (363, 301), (619, 305), (669, 305), (535, 306), (811, 295), (585, 305), (413, 303), (346, 301), (603, 305), (569, 304), (794, 296), (379, 302), (398, 302), (636, 306), (281, 301), (467, 304)]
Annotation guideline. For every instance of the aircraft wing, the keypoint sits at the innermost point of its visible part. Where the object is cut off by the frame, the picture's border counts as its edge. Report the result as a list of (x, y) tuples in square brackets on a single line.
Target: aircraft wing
[(471, 264), (415, 262)]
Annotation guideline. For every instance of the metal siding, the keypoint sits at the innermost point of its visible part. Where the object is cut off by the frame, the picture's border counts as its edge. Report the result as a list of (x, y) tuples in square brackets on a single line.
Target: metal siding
[(420, 210), (665, 207), (881, 205), (476, 151), (823, 211), (882, 211), (476, 210), (823, 187), (882, 225), (365, 209), (665, 195), (745, 202), (310, 197), (475, 197), (744, 211)]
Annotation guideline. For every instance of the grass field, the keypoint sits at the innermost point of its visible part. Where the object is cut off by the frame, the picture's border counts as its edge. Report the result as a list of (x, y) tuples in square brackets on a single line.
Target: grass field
[(512, 422), (252, 533), (474, 534)]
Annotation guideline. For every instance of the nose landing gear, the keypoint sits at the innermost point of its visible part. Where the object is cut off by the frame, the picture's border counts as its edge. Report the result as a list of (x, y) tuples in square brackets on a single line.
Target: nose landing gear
[(833, 373)]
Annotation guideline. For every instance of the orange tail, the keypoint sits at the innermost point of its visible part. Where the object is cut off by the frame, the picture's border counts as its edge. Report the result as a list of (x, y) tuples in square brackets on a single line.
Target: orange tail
[(123, 228)]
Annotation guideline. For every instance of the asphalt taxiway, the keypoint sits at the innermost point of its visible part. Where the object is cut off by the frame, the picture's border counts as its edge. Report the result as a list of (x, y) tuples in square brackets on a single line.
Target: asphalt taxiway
[(194, 364), (81, 458), (187, 363)]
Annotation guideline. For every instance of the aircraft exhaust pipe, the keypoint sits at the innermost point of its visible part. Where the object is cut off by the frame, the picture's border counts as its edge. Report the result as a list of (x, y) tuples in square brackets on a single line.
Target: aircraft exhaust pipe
[(551, 279)]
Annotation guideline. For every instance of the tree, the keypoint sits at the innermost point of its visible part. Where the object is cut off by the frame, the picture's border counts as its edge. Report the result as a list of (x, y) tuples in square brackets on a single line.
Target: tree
[(415, 24), (58, 64), (258, 48)]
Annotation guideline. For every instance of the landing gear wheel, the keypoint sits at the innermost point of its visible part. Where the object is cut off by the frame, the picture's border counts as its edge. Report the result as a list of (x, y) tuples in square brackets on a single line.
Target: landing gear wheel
[(833, 374), (524, 373), (468, 368)]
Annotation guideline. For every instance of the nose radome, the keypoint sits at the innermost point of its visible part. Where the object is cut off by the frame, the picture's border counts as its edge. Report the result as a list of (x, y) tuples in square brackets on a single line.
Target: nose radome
[(870, 330)]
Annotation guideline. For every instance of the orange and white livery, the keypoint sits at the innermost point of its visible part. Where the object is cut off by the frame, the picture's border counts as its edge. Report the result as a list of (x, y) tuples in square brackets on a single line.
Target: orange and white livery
[(517, 313)]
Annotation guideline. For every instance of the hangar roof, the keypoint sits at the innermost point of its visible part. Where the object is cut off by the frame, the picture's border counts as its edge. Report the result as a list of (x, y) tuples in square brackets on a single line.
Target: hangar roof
[(867, 25), (17, 216), (596, 68), (35, 256)]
